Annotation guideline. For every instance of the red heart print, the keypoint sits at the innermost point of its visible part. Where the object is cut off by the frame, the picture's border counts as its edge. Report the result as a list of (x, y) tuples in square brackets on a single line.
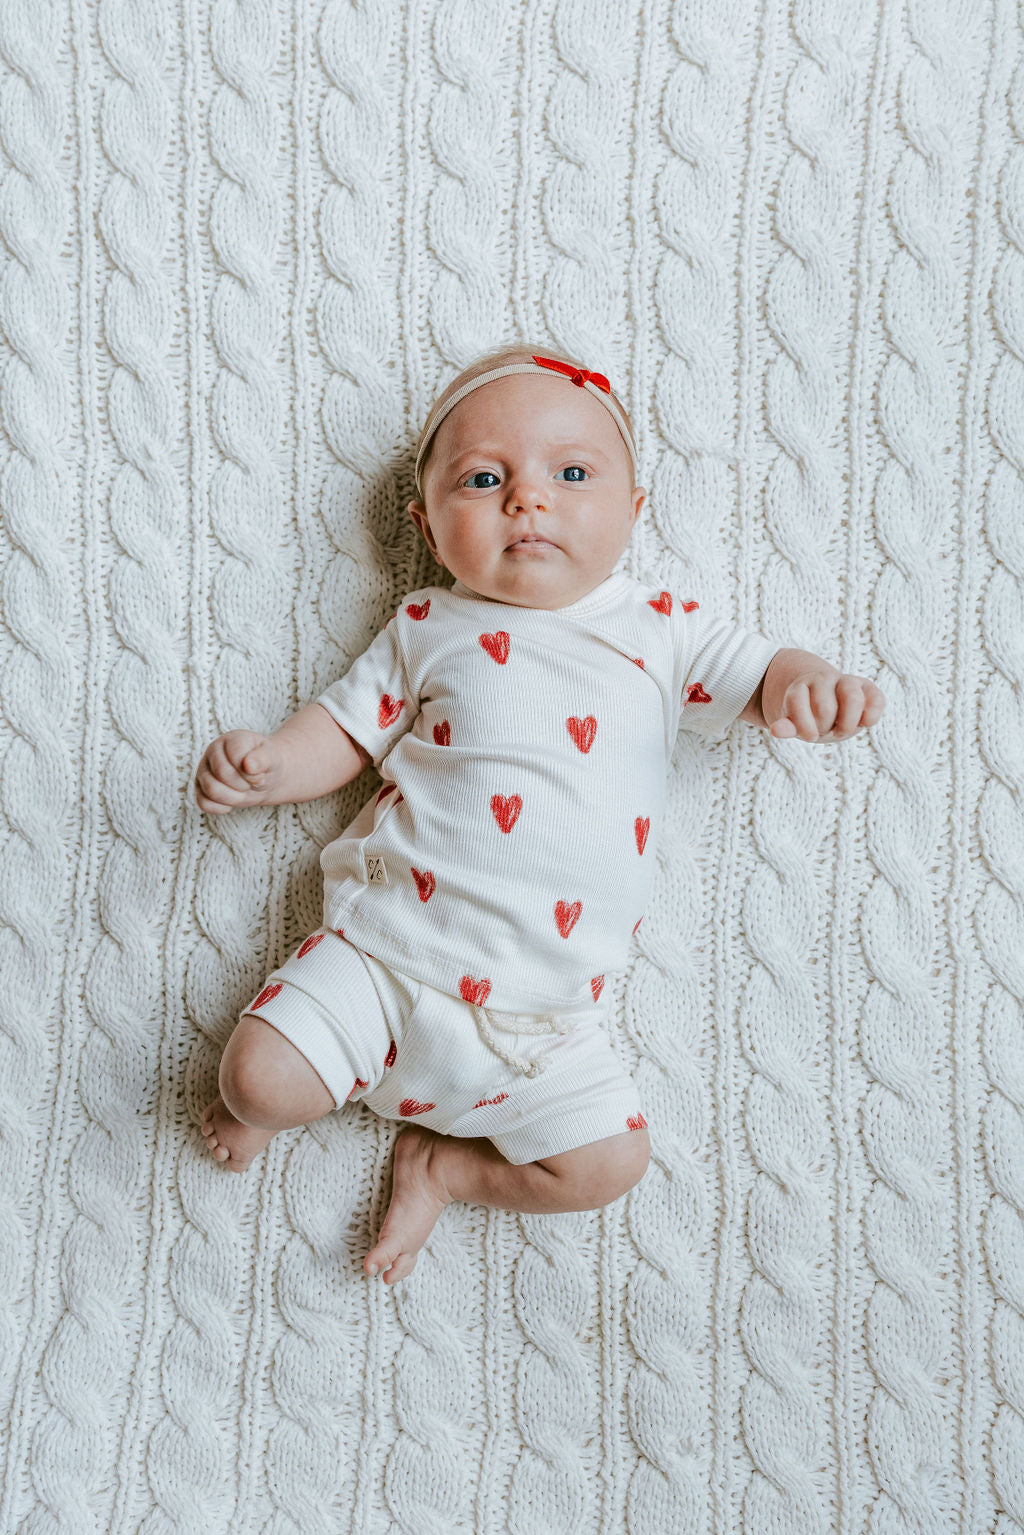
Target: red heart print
[(496, 646), (390, 709), (311, 943), (476, 992), (597, 986), (695, 694), (389, 1059), (567, 916), (637, 661), (425, 884), (636, 1123), (388, 788), (662, 603), (690, 607), (410, 1106), (356, 1085), (485, 1101), (506, 811), (417, 610), (641, 828), (582, 731), (443, 734), (267, 995), (340, 932)]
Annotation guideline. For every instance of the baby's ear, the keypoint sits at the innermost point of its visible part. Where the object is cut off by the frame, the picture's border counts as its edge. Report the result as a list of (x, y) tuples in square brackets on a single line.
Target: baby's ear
[(418, 513)]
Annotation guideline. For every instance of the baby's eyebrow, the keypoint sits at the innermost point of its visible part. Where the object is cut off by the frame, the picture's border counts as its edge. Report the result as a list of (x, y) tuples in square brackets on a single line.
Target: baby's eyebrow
[(491, 450)]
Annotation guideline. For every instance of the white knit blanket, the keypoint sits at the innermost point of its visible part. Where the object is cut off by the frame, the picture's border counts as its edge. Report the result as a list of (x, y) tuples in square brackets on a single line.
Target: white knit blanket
[(242, 245)]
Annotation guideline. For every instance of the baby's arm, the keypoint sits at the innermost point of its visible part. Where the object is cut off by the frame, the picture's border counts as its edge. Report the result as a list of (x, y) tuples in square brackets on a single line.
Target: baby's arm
[(309, 756), (802, 695)]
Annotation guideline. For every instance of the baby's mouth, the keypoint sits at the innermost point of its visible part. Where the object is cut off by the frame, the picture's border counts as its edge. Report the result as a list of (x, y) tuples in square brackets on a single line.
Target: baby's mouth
[(532, 542)]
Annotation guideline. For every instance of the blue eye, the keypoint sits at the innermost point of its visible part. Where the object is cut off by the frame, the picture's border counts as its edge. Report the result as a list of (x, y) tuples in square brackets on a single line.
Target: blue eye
[(575, 474), (477, 475)]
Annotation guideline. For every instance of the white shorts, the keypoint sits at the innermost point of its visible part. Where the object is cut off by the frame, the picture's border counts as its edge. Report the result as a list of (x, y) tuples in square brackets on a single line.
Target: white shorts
[(412, 1052)]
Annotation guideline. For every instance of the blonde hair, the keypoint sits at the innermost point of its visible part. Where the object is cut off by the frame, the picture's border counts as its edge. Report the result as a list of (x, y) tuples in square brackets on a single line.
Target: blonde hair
[(485, 364)]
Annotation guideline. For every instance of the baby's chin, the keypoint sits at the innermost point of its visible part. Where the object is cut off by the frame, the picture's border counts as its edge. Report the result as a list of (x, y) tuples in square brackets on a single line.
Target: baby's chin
[(546, 587)]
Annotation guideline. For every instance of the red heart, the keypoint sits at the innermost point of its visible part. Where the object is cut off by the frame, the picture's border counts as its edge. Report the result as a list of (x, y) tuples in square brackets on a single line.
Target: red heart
[(425, 884), (267, 995), (690, 607), (474, 991), (388, 788), (638, 662), (389, 1059), (582, 731), (443, 734), (484, 1101), (357, 1084), (662, 603), (311, 943), (390, 709), (410, 1106), (597, 986), (506, 811), (695, 694), (639, 1123), (414, 610), (496, 646), (641, 828), (567, 916)]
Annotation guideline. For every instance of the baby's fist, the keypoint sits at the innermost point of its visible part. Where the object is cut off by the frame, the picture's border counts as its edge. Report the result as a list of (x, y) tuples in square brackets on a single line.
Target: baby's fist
[(828, 706), (238, 769)]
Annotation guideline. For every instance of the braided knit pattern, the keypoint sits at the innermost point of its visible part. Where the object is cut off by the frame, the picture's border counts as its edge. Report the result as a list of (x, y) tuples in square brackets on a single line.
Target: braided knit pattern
[(243, 245)]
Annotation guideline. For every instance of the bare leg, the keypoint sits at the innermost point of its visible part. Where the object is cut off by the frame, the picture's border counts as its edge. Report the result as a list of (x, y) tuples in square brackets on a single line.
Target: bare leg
[(266, 1085), (431, 1170)]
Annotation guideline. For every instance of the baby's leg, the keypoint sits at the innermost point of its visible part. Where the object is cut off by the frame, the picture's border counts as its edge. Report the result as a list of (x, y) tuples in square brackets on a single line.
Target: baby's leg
[(431, 1170), (266, 1085)]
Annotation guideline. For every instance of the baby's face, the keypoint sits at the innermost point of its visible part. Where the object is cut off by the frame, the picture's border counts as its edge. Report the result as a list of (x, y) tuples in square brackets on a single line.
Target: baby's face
[(533, 456)]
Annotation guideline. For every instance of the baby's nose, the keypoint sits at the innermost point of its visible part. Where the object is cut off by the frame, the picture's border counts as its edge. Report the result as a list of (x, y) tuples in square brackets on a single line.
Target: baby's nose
[(524, 494)]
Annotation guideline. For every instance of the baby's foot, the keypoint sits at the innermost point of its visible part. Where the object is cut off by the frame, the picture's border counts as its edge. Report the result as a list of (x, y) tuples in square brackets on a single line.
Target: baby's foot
[(418, 1196), (230, 1141)]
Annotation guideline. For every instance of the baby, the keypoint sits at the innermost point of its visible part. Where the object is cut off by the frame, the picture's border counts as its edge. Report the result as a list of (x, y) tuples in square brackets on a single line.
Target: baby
[(522, 722)]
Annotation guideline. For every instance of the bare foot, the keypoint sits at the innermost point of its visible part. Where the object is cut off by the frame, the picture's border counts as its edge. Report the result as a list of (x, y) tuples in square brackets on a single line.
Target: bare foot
[(230, 1141), (418, 1196)]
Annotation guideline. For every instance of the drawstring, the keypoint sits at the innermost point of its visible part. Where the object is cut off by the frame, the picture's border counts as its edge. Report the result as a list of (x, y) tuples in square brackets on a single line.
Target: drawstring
[(550, 1023)]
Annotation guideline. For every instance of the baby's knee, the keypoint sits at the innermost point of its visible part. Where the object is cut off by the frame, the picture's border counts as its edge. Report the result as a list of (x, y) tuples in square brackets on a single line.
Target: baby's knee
[(264, 1077), (604, 1170)]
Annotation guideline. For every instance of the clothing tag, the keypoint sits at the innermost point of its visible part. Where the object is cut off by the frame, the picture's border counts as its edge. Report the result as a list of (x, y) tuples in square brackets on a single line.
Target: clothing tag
[(376, 873)]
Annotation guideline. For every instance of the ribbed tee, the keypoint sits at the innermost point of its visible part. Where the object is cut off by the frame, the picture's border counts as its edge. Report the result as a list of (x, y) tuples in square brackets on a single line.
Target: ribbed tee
[(509, 854)]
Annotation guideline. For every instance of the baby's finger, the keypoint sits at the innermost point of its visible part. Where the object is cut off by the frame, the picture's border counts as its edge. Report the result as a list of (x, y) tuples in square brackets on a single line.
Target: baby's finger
[(213, 795), (850, 694), (237, 747), (874, 701), (796, 706), (254, 764)]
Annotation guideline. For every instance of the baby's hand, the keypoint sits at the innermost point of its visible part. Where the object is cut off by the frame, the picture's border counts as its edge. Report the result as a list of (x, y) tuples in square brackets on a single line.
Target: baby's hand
[(827, 705), (238, 769)]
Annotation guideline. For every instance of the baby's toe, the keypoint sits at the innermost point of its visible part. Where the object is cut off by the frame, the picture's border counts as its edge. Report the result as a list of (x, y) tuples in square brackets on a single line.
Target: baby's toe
[(403, 1264)]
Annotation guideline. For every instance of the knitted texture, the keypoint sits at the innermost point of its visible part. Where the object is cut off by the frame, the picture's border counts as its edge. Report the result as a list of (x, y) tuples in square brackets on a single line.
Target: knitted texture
[(243, 245)]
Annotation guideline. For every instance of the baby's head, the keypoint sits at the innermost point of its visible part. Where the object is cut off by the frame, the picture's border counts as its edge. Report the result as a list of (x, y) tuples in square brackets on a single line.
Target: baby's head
[(526, 482)]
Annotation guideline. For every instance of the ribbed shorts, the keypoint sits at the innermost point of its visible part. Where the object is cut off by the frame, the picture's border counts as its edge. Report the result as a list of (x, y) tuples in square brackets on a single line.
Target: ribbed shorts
[(414, 1053)]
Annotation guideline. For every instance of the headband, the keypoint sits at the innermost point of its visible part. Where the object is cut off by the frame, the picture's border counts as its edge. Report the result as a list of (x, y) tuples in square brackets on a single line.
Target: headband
[(596, 383)]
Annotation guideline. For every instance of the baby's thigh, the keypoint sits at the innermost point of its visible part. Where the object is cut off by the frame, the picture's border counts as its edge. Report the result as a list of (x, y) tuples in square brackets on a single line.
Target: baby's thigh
[(604, 1169)]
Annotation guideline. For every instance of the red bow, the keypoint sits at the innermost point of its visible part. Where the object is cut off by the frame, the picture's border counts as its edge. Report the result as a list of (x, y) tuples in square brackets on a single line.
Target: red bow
[(579, 376)]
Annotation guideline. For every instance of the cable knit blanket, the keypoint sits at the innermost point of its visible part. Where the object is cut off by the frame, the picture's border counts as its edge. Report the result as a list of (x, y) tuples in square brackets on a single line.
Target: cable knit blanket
[(243, 244)]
